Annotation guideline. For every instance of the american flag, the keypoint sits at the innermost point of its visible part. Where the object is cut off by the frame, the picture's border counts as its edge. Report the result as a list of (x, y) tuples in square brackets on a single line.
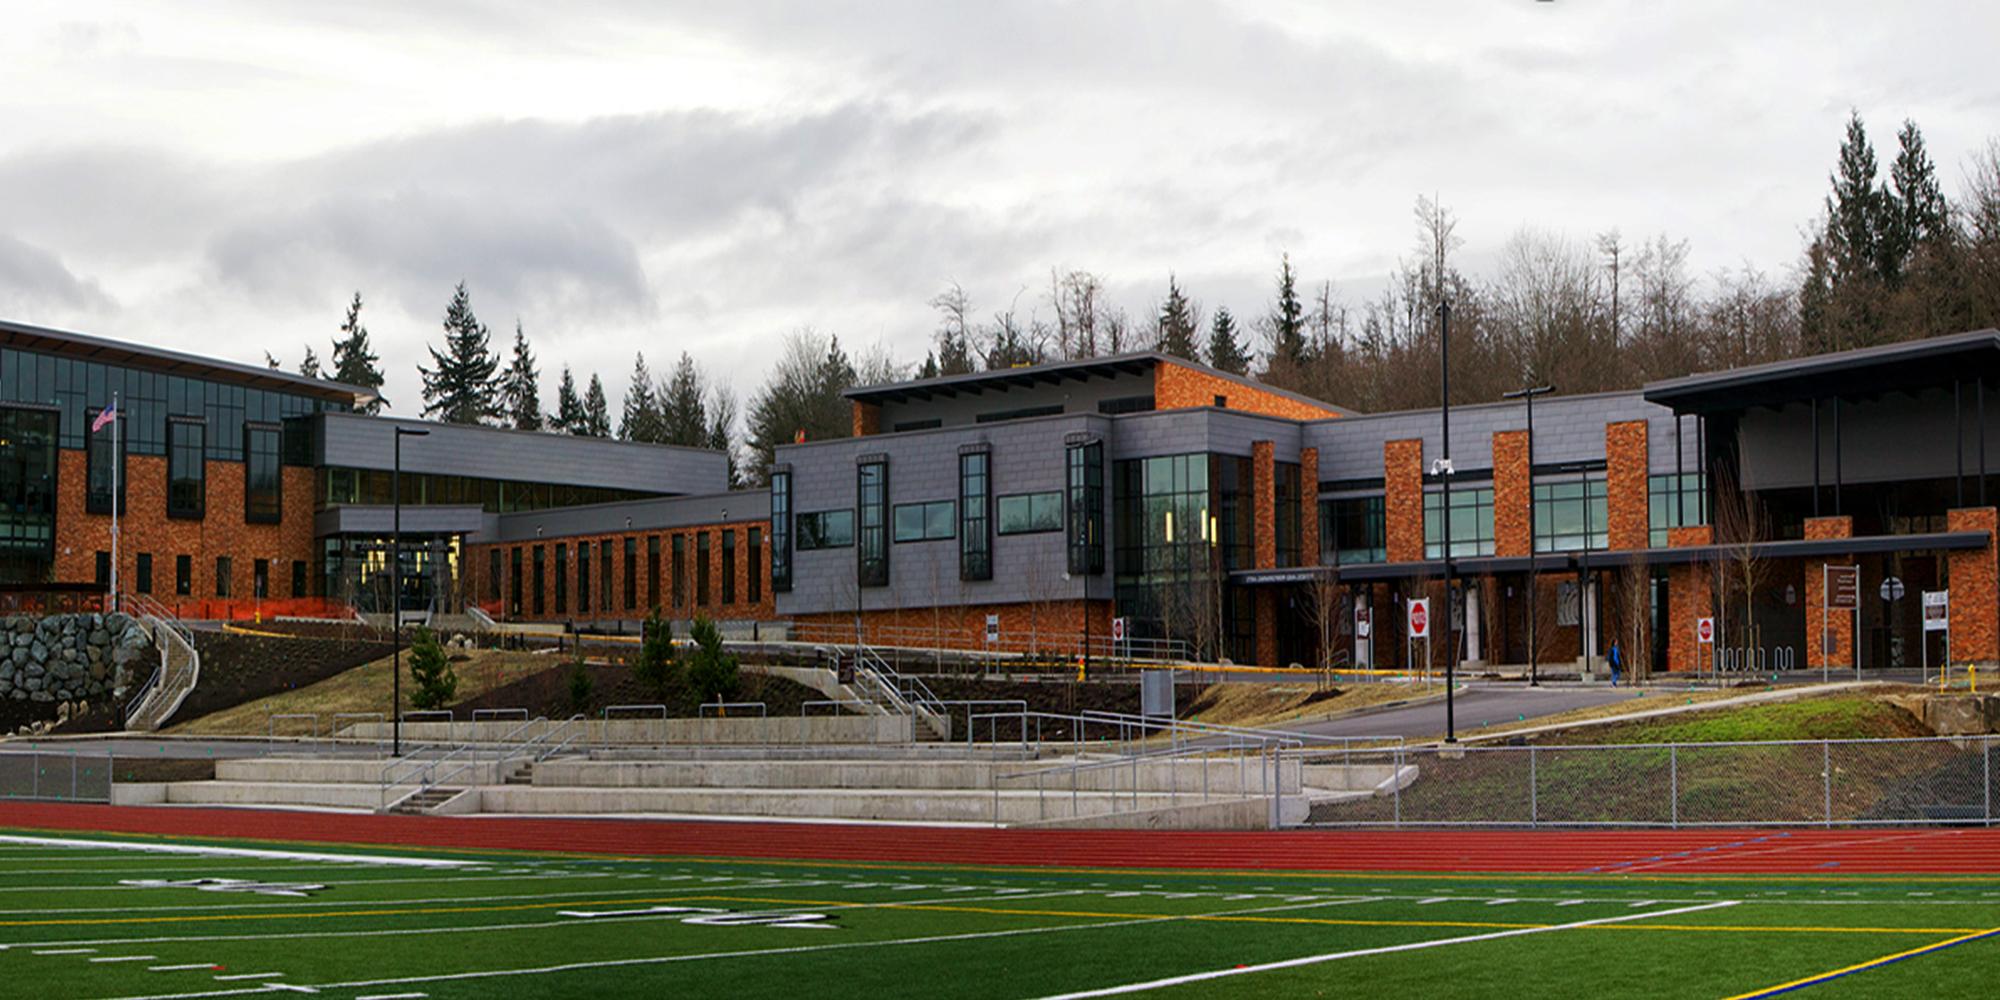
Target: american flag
[(104, 419)]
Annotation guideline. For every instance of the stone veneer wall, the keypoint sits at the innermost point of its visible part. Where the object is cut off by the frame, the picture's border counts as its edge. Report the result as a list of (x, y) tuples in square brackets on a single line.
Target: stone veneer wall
[(71, 658)]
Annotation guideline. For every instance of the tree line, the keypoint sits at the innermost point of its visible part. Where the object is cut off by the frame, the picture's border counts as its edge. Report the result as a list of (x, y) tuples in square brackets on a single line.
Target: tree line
[(1889, 258)]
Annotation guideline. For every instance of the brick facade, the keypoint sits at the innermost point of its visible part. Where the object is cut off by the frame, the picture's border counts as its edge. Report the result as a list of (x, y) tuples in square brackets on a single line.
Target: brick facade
[(1513, 494), (1309, 506), (1403, 499), (476, 576), (1054, 626), (1975, 590), (1690, 595), (1839, 622), (1177, 387), (1626, 498), (1264, 551), (867, 419)]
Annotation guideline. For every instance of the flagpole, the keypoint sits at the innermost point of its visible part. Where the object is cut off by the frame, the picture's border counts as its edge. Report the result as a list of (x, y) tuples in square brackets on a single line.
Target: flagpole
[(116, 454)]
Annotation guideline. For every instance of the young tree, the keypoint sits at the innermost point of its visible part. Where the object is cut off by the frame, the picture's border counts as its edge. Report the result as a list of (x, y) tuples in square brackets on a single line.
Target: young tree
[(641, 420), (353, 362), (659, 665), (801, 396), (568, 418), (459, 387), (1177, 324), (521, 387), (309, 366), (683, 406), (711, 672), (1224, 353), (430, 672), (596, 409)]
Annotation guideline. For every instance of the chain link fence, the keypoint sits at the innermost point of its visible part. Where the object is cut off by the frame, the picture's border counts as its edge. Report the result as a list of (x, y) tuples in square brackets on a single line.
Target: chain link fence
[(55, 777), (1938, 781)]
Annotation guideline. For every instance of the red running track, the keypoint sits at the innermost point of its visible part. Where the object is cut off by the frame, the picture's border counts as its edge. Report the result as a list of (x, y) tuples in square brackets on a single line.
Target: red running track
[(1643, 852)]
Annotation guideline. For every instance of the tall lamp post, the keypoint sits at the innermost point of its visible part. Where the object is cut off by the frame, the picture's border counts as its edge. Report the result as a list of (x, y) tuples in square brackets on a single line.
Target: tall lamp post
[(1443, 469), (1529, 393), (396, 586)]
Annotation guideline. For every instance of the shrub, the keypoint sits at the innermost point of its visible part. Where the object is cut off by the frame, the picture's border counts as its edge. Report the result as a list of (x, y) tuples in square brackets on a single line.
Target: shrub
[(658, 662), (712, 674), (579, 686), (430, 671)]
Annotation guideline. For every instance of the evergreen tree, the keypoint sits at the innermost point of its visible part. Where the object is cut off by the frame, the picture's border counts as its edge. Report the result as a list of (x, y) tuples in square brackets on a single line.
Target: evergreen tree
[(721, 424), (568, 418), (353, 361), (310, 366), (641, 419), (521, 387), (460, 388), (683, 412), (801, 397), (1854, 208), (1224, 353), (1177, 333), (430, 669), (270, 361), (1287, 321), (1917, 214), (929, 369), (596, 410)]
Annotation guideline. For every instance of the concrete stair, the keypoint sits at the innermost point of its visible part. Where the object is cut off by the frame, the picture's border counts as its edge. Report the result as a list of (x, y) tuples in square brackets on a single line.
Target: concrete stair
[(522, 773), (426, 801)]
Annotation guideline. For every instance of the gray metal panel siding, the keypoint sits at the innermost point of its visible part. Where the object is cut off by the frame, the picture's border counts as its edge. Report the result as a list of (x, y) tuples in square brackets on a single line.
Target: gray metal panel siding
[(370, 519), (643, 515), (1567, 429), (364, 442), (964, 410)]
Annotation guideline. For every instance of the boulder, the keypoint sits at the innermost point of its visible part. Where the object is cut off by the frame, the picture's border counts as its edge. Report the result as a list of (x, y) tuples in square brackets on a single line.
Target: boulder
[(1963, 715)]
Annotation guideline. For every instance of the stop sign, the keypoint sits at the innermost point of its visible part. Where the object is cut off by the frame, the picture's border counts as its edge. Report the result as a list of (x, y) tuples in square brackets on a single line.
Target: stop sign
[(1704, 629), (1420, 618)]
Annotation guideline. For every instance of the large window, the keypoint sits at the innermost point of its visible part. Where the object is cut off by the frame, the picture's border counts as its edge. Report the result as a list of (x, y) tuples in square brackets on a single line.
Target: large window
[(652, 572), (604, 599), (1025, 513), (924, 522), (538, 581), (27, 494), (1571, 515), (1353, 530), (632, 572), (184, 576), (1085, 480), (701, 569), (1675, 501), (583, 578), (1471, 522), (263, 483), (1286, 513), (222, 575), (562, 578), (781, 530), (729, 566), (144, 565), (514, 581), (98, 457), (680, 570), (975, 533), (343, 485), (1163, 518), (187, 470), (756, 574), (871, 501), (826, 529)]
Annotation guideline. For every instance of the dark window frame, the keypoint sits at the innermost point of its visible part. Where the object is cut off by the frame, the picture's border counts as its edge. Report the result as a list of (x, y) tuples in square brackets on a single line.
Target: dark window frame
[(816, 534), (927, 513), (96, 496), (1048, 502), (187, 490), (701, 569), (184, 576), (143, 569), (263, 506), (781, 530), (755, 575), (729, 565), (224, 569), (1084, 507), (631, 573), (871, 523), (975, 523)]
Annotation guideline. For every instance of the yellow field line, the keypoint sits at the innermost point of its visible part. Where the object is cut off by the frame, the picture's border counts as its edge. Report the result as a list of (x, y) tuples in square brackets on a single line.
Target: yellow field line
[(1770, 991)]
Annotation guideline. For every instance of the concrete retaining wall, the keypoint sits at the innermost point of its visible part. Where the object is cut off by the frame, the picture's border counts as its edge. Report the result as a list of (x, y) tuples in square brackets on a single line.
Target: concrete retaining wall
[(780, 730), (934, 806), (1221, 778)]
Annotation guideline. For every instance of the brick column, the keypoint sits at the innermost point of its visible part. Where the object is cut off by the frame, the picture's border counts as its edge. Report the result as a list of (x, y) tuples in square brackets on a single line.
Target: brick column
[(1841, 622), (1513, 494), (1690, 591), (1403, 499), (867, 419), (1309, 506), (1625, 495), (1264, 551), (1975, 594)]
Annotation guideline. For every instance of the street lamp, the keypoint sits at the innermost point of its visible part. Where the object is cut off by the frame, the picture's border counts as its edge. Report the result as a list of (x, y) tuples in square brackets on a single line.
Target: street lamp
[(1444, 477), (1529, 393), (396, 586)]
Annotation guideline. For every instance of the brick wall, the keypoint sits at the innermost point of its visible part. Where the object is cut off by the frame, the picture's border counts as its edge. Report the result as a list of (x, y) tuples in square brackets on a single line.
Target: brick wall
[(477, 569), (1975, 590), (1177, 387), (1309, 506), (1626, 499), (1051, 625), (145, 528), (1513, 495), (1403, 498), (1264, 498), (867, 419), (1690, 591), (1841, 622)]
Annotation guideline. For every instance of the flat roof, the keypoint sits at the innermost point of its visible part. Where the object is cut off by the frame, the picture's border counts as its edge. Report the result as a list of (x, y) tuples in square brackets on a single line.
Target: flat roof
[(83, 345), (1055, 373), (1864, 371)]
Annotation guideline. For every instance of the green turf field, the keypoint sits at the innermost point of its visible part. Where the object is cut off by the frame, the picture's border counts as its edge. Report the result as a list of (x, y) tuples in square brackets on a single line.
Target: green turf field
[(94, 917)]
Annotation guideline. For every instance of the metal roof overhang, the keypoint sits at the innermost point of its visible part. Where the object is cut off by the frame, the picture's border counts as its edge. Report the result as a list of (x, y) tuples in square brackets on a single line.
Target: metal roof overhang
[(379, 519), (82, 345), (976, 383), (1559, 562), (1869, 371)]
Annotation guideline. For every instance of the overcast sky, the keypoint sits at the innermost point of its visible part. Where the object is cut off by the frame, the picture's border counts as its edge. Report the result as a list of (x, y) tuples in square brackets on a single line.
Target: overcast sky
[(220, 177)]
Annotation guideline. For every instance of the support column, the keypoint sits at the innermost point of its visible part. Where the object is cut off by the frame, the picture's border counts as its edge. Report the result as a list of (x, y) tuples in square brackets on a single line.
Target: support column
[(867, 419), (1264, 551), (1690, 596), (1975, 590), (1839, 621), (1513, 494), (1626, 497), (1309, 507), (1403, 499)]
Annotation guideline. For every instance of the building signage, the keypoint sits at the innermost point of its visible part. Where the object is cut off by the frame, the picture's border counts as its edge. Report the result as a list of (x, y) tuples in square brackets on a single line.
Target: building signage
[(992, 629), (1363, 621), (1937, 610), (1843, 587)]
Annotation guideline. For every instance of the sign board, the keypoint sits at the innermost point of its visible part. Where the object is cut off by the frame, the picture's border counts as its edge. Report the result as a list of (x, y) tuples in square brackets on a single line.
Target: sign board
[(1420, 618), (1364, 623), (1704, 630), (1118, 629), (1937, 610), (992, 629), (1843, 587), (1892, 588)]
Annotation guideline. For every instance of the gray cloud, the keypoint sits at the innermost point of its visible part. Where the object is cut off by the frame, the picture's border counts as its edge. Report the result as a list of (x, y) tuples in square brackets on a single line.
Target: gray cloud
[(33, 280)]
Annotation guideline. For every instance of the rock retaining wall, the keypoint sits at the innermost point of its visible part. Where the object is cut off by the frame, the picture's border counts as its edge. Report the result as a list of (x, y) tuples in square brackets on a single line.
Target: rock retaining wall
[(72, 658)]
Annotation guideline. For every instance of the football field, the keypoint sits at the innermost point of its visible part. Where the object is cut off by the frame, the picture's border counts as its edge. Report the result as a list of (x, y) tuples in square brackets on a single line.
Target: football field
[(102, 915)]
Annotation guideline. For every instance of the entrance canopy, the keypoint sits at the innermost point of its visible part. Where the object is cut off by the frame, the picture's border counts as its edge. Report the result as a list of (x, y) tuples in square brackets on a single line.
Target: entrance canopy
[(1861, 373)]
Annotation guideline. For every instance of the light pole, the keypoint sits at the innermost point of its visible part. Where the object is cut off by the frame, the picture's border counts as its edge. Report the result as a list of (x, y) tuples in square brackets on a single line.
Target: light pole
[(1529, 394), (1444, 477), (396, 586)]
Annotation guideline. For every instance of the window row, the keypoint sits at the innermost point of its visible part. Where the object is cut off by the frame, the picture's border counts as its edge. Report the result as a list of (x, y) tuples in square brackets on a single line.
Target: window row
[(260, 576), (106, 479), (377, 486), (525, 579)]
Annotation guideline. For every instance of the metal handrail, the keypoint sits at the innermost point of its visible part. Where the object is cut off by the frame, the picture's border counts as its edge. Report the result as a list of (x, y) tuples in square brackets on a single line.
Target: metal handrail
[(722, 708), (1221, 729), (429, 768), (496, 714)]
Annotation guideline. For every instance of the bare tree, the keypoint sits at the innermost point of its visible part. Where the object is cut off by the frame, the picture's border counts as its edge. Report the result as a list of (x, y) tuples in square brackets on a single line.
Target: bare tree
[(1740, 524)]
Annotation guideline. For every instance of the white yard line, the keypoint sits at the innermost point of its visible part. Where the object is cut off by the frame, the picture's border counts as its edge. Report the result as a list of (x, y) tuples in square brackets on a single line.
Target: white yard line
[(238, 852), (1293, 963), (126, 958)]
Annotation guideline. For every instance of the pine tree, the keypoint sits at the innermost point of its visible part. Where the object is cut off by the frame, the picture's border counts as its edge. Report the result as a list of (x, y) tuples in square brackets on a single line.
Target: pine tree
[(721, 425), (641, 420), (1224, 353), (596, 410), (929, 369), (683, 410), (1916, 212), (1854, 209), (1177, 333), (310, 366), (521, 387), (270, 361), (353, 362), (800, 396), (1287, 321), (568, 418), (459, 388)]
